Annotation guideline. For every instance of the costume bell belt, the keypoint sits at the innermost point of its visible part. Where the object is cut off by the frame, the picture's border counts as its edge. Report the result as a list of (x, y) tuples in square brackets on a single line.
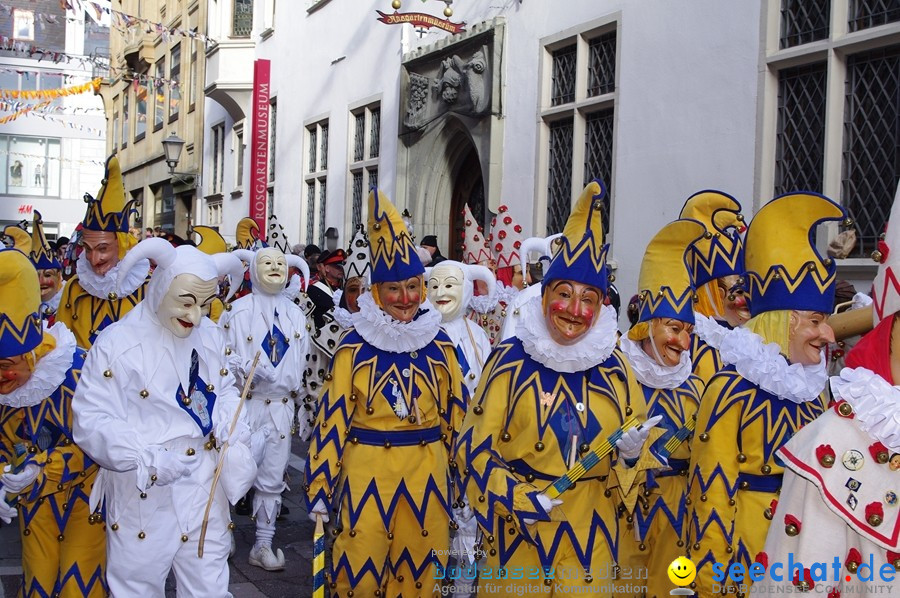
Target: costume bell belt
[(188, 446), (523, 470), (760, 483), (396, 437)]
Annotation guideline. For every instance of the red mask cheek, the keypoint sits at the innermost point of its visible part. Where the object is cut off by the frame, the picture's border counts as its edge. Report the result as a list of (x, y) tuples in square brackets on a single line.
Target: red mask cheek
[(10, 375), (559, 305), (587, 313)]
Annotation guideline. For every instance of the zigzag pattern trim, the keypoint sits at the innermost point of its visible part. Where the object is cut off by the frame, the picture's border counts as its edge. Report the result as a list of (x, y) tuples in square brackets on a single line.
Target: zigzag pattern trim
[(13, 335), (372, 493), (417, 569), (666, 298), (888, 294), (95, 219), (719, 260), (354, 577), (660, 508), (778, 274)]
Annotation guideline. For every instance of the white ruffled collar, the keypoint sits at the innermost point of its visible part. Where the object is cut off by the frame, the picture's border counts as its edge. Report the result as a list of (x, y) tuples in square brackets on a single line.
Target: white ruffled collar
[(343, 317), (52, 305), (293, 289), (101, 286), (589, 351), (385, 333), (652, 374), (876, 404), (49, 372), (483, 304), (762, 363), (506, 294)]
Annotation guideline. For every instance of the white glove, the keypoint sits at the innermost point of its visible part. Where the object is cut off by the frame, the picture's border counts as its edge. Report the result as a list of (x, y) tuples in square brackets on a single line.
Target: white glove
[(7, 513), (265, 371), (547, 504), (861, 300), (632, 440), (258, 444), (241, 432), (170, 466), (319, 508), (463, 545), (17, 482)]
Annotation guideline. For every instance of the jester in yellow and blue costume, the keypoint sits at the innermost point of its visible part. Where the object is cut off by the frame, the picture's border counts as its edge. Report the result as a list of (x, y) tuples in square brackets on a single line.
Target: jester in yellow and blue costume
[(91, 301), (49, 270), (772, 385), (387, 421), (658, 348), (546, 396), (45, 478), (716, 262)]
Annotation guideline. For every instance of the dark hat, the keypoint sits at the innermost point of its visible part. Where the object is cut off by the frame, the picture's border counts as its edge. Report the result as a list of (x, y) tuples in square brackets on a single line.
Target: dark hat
[(429, 241), (334, 258), (60, 241), (311, 249), (331, 233)]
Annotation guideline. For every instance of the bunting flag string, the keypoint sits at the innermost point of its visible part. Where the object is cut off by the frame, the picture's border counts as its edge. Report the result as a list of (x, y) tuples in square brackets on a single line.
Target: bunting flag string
[(58, 159), (29, 50), (14, 106), (22, 112), (68, 124), (51, 93), (131, 21)]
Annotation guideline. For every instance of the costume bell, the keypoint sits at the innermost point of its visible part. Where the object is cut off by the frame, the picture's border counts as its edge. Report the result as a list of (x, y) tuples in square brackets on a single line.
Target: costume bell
[(545, 397), (154, 387), (840, 492), (45, 478), (658, 349), (771, 386), (717, 266), (268, 321), (388, 417), (92, 299)]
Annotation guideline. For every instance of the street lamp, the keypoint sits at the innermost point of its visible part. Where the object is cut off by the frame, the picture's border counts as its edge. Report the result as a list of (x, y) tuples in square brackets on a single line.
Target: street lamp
[(172, 146)]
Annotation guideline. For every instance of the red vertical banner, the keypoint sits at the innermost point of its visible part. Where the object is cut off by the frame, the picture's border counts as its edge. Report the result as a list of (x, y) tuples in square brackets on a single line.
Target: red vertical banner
[(259, 153)]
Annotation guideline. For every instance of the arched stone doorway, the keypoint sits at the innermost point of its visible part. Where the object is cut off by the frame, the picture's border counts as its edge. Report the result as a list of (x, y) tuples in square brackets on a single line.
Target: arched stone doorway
[(468, 188)]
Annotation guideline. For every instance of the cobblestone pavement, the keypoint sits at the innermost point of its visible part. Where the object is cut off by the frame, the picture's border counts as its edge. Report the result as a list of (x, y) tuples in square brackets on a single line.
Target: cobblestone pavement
[(293, 536)]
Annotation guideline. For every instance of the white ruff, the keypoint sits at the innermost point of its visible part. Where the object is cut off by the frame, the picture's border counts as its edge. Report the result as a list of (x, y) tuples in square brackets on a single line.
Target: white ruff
[(343, 317), (483, 304), (385, 333), (293, 289), (876, 404), (506, 294), (652, 374), (101, 286), (49, 372), (590, 350), (336, 298), (762, 363)]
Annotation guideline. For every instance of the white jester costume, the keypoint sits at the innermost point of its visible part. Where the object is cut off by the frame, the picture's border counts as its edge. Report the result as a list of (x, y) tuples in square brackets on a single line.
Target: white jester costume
[(539, 407), (50, 478), (714, 258), (154, 387), (336, 323), (545, 248), (673, 392), (758, 400), (842, 475), (388, 418), (44, 258), (92, 302), (268, 322), (476, 252)]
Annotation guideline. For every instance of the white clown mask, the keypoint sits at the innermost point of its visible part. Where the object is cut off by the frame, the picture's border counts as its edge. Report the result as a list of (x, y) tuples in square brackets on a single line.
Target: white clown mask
[(451, 286), (182, 306), (271, 270)]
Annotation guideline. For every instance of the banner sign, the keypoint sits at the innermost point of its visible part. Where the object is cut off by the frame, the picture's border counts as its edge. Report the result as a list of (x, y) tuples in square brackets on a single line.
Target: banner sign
[(259, 146), (420, 19)]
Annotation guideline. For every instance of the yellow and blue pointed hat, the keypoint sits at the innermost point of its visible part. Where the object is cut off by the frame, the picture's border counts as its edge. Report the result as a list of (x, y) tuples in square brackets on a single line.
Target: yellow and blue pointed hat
[(784, 268), (394, 255), (247, 233), (20, 238), (211, 242), (665, 284), (582, 254), (42, 255), (20, 295), (721, 251), (109, 211)]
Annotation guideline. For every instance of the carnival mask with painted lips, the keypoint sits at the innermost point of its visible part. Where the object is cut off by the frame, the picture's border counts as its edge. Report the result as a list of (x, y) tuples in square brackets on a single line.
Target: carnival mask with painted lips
[(271, 270), (809, 334), (445, 290), (101, 249), (737, 312), (570, 308), (182, 306), (669, 338), (50, 281)]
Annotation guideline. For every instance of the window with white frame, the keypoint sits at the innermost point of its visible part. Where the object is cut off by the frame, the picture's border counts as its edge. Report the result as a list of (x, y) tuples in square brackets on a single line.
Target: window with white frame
[(315, 177), (578, 115), (214, 212), (832, 104), (218, 164), (238, 136), (365, 143)]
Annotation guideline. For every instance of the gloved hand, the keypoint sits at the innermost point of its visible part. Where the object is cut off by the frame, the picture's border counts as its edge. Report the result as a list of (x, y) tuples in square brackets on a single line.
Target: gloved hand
[(463, 545), (241, 431), (632, 440), (170, 466), (17, 482), (547, 504), (319, 508), (7, 513), (258, 444), (265, 371)]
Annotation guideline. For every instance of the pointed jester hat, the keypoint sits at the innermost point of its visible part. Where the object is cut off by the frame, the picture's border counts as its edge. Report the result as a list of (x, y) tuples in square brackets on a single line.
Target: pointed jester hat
[(721, 251), (42, 255), (784, 267), (664, 283), (358, 263), (582, 254), (394, 256), (211, 242), (20, 295), (474, 245), (886, 286), (247, 233)]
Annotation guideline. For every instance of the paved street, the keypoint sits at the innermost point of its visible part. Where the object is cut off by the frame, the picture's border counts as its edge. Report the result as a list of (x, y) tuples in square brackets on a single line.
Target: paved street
[(294, 537)]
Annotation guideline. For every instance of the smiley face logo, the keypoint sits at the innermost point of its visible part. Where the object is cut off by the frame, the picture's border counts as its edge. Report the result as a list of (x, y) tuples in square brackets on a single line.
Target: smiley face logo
[(682, 571)]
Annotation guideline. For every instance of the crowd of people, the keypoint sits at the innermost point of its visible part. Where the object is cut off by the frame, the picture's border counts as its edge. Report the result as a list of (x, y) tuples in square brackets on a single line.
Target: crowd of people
[(487, 415)]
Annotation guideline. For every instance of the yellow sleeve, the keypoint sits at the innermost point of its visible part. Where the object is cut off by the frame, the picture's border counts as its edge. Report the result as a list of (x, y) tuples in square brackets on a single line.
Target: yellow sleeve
[(713, 479), (337, 405)]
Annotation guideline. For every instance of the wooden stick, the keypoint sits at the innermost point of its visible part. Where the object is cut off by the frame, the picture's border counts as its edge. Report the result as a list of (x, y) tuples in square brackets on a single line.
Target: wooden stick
[(215, 482)]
